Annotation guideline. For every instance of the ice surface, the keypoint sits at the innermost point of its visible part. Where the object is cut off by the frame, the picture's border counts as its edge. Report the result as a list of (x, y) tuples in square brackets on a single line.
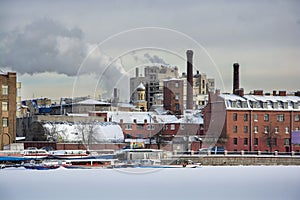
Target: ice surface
[(251, 182)]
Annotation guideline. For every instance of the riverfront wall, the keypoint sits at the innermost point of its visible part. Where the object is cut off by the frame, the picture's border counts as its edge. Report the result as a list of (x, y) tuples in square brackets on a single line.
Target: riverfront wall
[(219, 160)]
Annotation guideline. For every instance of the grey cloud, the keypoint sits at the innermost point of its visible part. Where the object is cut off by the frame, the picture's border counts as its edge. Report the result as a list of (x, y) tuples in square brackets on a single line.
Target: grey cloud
[(47, 45), (43, 46), (154, 59)]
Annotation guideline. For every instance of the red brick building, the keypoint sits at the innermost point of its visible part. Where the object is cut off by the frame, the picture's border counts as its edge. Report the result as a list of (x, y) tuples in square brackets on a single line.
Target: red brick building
[(173, 96), (253, 122), (8, 96), (166, 131)]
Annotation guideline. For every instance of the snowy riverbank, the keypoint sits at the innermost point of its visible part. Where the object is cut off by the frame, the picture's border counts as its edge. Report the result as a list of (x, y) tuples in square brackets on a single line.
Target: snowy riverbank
[(238, 182)]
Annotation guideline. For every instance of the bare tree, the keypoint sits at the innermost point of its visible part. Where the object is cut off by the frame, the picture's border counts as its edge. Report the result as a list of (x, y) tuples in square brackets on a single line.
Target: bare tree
[(87, 132), (271, 138), (52, 135)]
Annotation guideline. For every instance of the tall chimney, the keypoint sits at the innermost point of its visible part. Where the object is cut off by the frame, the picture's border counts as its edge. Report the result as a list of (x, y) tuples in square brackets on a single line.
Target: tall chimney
[(236, 80), (189, 89), (116, 93), (136, 72)]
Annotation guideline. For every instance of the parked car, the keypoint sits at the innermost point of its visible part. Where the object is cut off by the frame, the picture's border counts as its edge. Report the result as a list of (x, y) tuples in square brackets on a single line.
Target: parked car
[(204, 151), (212, 150), (217, 150)]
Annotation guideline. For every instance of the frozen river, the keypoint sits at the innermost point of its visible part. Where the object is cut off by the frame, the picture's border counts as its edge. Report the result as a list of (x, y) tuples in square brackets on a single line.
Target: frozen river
[(264, 182)]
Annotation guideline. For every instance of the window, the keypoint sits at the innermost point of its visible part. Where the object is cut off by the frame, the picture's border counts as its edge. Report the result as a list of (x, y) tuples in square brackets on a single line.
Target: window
[(4, 89), (177, 84), (266, 129), (128, 136), (172, 127), (245, 129), (286, 141), (128, 126), (181, 126), (287, 129), (266, 117), (235, 141), (256, 141), (255, 129), (166, 127), (177, 96), (177, 106), (275, 141), (5, 122), (297, 129), (245, 141), (139, 136), (265, 105), (234, 116), (244, 104), (297, 118), (150, 127), (276, 129), (140, 126), (255, 117), (4, 106), (245, 117), (235, 129), (280, 118)]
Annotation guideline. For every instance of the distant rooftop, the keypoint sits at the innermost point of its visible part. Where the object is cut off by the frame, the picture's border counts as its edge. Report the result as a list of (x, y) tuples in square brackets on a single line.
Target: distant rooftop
[(263, 102)]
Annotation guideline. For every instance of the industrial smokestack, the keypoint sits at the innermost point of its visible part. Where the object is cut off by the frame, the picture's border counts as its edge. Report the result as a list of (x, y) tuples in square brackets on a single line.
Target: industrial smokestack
[(115, 97), (236, 79), (136, 72), (189, 99), (116, 93)]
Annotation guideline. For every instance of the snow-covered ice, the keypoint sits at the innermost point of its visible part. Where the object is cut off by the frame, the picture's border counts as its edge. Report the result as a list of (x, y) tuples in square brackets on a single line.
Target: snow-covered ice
[(238, 182)]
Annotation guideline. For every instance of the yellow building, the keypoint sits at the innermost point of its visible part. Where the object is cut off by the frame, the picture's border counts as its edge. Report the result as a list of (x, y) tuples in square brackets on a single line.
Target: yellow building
[(141, 103), (8, 101)]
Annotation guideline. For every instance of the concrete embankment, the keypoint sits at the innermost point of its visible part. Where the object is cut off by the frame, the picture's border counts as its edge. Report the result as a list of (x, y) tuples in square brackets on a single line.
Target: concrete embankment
[(241, 160)]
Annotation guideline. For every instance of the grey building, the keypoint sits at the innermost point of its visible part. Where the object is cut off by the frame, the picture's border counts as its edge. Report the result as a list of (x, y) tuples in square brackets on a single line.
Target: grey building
[(153, 80)]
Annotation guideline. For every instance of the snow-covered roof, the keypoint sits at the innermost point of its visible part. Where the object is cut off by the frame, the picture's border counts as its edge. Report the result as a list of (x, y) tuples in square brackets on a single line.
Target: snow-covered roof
[(126, 105), (261, 102), (78, 114), (102, 131), (152, 117), (141, 117), (192, 116), (92, 102), (129, 117), (166, 118), (232, 97)]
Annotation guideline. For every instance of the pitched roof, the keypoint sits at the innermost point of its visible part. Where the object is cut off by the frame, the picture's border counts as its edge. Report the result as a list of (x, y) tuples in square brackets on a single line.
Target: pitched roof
[(92, 102)]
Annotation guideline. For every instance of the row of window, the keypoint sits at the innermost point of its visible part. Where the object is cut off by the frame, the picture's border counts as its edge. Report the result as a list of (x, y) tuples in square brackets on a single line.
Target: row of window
[(280, 117), (264, 105), (266, 129), (271, 141)]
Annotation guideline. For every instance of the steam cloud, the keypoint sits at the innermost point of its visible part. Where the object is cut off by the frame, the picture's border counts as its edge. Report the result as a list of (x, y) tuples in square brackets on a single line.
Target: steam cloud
[(46, 45), (154, 59)]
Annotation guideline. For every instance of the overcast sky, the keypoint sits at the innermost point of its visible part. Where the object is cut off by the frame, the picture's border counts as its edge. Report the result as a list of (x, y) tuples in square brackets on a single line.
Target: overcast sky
[(71, 48)]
